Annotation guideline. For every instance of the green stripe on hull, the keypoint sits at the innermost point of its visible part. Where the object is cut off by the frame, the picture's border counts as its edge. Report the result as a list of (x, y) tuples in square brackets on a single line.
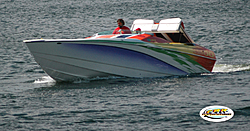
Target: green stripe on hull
[(182, 62)]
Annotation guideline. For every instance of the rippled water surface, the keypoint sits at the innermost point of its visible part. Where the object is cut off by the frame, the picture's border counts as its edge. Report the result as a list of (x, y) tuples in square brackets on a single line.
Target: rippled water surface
[(30, 100)]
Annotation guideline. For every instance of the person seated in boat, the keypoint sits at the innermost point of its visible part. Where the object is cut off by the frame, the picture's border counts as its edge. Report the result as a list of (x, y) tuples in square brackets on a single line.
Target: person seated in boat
[(121, 29)]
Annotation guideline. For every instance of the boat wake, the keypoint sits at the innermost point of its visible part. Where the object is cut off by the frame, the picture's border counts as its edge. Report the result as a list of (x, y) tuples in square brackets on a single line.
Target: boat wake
[(44, 79), (49, 80), (224, 68), (218, 68)]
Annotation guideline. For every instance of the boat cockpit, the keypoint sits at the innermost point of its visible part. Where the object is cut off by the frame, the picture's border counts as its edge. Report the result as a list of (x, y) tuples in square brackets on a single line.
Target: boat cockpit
[(166, 31), (169, 29)]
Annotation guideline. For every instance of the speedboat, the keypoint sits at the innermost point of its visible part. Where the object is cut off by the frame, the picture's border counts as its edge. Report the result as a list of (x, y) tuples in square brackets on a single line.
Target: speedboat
[(155, 50)]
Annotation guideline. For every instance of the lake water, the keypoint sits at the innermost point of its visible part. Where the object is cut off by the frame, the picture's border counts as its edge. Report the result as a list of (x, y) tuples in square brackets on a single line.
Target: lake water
[(31, 100)]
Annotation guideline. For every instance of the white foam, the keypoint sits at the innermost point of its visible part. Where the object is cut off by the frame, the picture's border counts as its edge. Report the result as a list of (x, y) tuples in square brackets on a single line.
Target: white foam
[(44, 79), (49, 80), (230, 68)]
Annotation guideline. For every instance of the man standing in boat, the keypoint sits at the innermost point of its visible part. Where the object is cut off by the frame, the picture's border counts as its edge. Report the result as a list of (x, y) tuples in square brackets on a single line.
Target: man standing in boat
[(121, 29)]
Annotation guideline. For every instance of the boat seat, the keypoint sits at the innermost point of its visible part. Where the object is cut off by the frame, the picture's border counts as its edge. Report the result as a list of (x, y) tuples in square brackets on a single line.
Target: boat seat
[(171, 25), (143, 24)]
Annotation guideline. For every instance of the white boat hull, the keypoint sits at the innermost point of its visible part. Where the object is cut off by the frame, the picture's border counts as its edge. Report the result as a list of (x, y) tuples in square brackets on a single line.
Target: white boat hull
[(66, 60)]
